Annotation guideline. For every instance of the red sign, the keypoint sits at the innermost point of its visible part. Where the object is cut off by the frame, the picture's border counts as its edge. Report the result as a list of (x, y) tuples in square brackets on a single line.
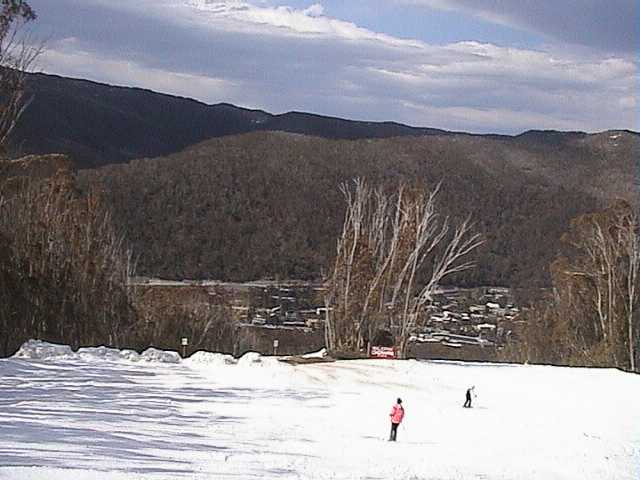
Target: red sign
[(383, 352)]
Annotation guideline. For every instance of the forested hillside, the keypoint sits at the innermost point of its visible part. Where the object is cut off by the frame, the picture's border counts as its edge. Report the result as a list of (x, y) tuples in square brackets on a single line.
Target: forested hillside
[(267, 205)]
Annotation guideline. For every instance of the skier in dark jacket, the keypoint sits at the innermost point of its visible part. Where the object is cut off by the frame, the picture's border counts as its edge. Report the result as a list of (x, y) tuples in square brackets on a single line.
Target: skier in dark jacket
[(467, 403), (397, 414)]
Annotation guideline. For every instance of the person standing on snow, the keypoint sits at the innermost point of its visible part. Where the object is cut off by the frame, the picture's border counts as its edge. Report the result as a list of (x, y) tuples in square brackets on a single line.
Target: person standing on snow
[(397, 414), (467, 403)]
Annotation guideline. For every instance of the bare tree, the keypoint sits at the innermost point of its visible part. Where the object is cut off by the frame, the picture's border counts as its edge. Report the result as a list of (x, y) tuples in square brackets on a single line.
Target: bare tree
[(604, 264), (17, 54), (385, 242), (593, 317), (345, 282), (595, 265), (450, 261), (628, 245)]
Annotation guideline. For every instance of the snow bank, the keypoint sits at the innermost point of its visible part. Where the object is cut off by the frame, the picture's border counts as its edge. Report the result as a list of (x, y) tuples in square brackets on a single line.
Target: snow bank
[(250, 358), (130, 355), (161, 356), (39, 350), (209, 358), (106, 353)]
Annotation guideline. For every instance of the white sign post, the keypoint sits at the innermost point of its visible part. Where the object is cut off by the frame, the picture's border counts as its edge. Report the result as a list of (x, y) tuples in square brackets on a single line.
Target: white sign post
[(185, 342), (275, 347)]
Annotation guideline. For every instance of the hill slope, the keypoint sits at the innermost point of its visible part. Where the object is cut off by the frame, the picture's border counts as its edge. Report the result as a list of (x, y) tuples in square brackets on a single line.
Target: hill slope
[(267, 204), (207, 417)]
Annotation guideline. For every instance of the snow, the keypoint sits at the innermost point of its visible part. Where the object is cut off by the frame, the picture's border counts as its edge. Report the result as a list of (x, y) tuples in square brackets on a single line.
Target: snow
[(250, 358), (36, 349), (106, 353), (209, 358), (95, 414), (319, 354), (162, 356)]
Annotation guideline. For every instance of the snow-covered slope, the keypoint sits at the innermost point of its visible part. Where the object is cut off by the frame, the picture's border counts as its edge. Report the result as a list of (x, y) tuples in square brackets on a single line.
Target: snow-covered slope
[(99, 414)]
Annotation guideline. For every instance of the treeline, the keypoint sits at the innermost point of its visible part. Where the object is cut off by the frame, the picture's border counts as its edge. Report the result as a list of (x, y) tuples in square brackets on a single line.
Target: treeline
[(267, 205), (63, 267), (204, 317), (592, 316), (65, 270)]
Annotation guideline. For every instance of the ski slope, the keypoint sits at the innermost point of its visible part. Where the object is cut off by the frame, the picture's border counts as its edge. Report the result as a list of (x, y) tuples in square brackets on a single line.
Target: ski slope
[(108, 414)]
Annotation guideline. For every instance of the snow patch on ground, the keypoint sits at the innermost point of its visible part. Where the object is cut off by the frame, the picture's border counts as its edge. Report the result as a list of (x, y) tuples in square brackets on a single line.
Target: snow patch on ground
[(39, 350), (319, 354), (161, 356), (45, 351), (108, 354), (210, 359), (250, 358), (96, 415)]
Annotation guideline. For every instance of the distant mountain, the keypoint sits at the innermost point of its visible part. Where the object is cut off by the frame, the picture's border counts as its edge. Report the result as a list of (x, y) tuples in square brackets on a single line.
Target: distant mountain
[(98, 124), (267, 204), (217, 191)]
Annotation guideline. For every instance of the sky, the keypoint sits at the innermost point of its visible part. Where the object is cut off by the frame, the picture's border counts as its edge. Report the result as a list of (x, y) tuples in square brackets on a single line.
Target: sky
[(483, 66)]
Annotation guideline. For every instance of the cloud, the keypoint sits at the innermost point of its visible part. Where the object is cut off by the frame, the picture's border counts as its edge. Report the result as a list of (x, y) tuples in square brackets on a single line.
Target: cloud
[(280, 58), (68, 57), (611, 26), (285, 20), (314, 10)]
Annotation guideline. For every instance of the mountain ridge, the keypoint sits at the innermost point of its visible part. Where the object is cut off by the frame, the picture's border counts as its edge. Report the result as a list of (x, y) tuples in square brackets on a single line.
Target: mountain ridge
[(98, 124), (223, 192)]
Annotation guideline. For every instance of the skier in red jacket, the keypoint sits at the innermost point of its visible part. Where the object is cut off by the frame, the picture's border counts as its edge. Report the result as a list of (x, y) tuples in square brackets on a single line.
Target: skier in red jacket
[(397, 414)]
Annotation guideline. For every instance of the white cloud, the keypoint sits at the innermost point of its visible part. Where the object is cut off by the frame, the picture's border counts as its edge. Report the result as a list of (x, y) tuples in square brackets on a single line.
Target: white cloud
[(315, 10), (280, 58), (65, 57), (285, 20)]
